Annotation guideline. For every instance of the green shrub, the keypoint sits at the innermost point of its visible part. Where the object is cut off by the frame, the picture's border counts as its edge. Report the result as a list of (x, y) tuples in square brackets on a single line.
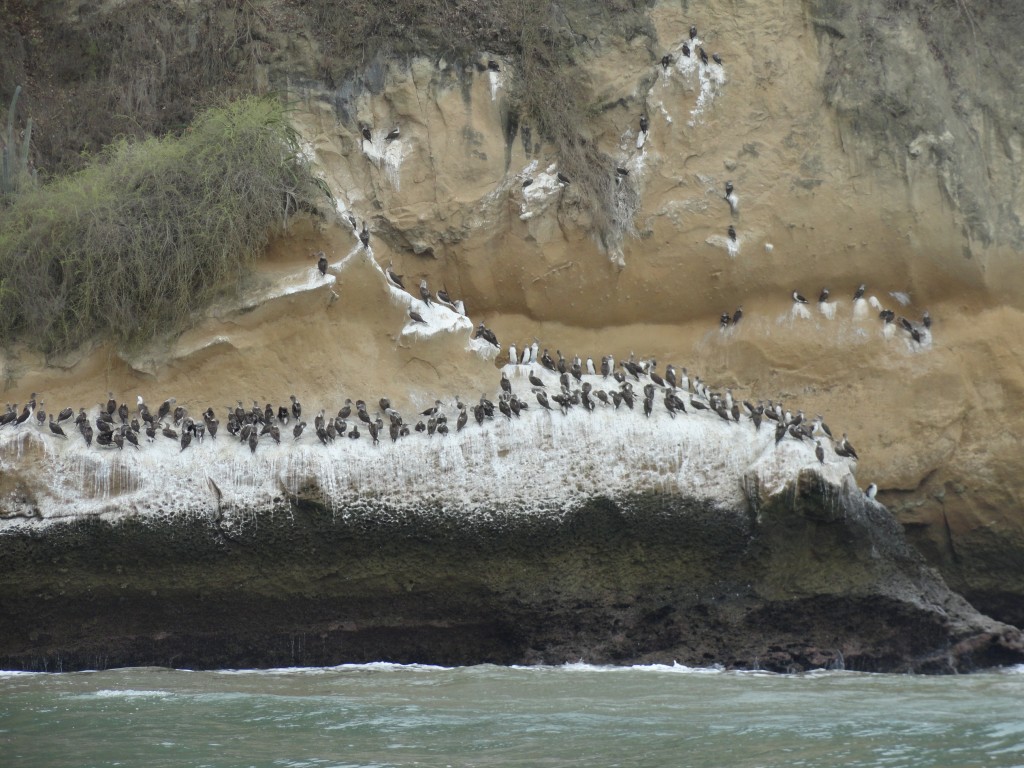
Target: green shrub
[(132, 246)]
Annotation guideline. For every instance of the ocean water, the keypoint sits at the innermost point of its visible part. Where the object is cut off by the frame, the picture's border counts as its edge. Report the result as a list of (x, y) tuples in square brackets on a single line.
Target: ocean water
[(384, 715)]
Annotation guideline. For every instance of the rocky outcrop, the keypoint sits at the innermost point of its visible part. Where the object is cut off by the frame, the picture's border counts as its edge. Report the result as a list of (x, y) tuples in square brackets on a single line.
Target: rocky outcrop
[(812, 576), (868, 141)]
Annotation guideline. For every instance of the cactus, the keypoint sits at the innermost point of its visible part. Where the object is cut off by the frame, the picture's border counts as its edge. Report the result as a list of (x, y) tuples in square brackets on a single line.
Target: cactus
[(14, 168)]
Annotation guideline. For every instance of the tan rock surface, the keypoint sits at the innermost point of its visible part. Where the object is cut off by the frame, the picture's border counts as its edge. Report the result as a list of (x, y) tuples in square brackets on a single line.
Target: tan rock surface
[(834, 190)]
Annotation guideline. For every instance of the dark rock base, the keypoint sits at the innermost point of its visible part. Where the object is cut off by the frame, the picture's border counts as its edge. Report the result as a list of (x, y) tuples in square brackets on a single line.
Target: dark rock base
[(805, 584)]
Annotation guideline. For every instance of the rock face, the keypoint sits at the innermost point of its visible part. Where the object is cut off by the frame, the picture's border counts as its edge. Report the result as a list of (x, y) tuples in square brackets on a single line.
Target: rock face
[(868, 142), (811, 577)]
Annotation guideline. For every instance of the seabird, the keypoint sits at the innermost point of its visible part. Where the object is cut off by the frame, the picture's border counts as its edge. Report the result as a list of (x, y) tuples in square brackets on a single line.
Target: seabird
[(65, 414), (821, 426), (506, 385), (915, 335), (527, 182), (871, 491), (364, 236), (543, 399), (296, 407), (165, 408), (716, 58), (321, 262), (562, 178), (703, 55), (621, 172), (535, 380), (823, 296), (693, 32), (513, 354), (666, 61), (926, 319), (728, 189), (686, 50), (547, 362), (798, 298), (492, 65), (485, 333), (393, 134), (366, 133), (737, 315), (724, 320), (819, 451), (424, 292), (111, 403), (644, 124), (845, 445), (55, 428), (444, 298), (394, 278), (732, 233), (416, 317), (859, 293)]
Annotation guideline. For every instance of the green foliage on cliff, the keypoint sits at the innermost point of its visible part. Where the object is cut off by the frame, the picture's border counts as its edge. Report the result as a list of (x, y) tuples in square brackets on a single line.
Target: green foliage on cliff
[(152, 231), (15, 171)]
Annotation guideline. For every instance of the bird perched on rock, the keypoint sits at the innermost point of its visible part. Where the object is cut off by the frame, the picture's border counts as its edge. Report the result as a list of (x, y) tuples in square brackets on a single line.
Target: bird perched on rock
[(364, 236), (425, 292), (365, 131), (798, 298), (732, 233), (416, 317), (393, 134), (737, 315), (393, 277), (666, 61), (485, 333), (321, 262), (823, 296), (716, 58)]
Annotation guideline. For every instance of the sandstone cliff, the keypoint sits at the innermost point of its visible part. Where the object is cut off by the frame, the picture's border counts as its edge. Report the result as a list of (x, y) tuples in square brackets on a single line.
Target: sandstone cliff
[(869, 142)]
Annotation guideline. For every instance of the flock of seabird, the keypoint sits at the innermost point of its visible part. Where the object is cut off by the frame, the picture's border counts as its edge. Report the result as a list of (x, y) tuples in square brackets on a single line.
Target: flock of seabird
[(920, 331), (579, 384), (563, 385)]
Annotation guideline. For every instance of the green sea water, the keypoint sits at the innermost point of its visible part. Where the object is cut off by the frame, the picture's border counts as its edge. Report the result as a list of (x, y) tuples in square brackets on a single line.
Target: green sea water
[(574, 715)]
